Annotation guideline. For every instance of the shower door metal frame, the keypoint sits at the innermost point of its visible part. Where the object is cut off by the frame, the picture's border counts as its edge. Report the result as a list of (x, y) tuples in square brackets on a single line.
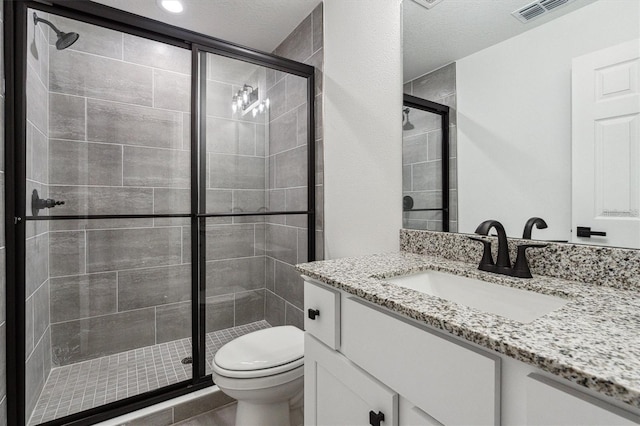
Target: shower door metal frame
[(15, 37), (443, 111)]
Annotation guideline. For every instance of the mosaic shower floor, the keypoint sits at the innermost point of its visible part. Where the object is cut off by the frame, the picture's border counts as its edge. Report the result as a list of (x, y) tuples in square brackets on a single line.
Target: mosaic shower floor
[(78, 387)]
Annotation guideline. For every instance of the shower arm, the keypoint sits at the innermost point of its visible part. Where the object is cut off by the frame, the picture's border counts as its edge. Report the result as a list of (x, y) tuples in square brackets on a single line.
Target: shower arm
[(37, 19)]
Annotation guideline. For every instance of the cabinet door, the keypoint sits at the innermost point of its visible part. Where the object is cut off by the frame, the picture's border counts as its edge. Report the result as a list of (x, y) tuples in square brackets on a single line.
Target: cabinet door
[(553, 404), (337, 392)]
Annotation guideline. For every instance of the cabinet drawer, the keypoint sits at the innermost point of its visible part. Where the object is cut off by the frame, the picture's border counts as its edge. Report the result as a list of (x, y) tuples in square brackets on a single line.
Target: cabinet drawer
[(550, 403), (454, 383), (322, 313)]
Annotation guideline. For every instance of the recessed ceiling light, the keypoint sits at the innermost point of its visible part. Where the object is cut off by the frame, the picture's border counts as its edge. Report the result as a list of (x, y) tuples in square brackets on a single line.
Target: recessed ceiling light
[(173, 6)]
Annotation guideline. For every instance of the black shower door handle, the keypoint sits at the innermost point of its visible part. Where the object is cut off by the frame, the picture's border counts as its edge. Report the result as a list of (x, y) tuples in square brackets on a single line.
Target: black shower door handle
[(313, 313)]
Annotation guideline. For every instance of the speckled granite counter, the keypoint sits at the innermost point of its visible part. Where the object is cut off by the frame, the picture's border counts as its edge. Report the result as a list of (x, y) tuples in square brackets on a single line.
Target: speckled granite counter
[(593, 341)]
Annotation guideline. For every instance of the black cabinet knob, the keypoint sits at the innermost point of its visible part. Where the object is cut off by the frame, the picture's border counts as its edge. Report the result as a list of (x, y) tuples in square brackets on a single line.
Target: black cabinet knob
[(313, 313), (376, 418)]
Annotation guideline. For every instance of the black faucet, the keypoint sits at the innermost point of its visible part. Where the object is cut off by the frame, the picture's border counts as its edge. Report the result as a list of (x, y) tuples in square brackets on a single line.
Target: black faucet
[(503, 263), (537, 221)]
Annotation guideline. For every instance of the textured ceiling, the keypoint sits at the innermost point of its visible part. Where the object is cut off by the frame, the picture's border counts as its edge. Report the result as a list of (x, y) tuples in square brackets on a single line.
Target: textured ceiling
[(261, 24), (454, 29)]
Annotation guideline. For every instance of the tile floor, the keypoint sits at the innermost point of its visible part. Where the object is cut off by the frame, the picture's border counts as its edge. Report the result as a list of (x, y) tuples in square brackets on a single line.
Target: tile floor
[(78, 387)]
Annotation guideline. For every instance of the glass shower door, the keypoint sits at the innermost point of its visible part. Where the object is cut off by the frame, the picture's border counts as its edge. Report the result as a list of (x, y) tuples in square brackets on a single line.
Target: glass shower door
[(108, 265)]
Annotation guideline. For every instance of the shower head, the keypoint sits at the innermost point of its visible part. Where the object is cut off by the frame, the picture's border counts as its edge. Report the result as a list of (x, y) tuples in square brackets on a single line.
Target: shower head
[(64, 39), (406, 124)]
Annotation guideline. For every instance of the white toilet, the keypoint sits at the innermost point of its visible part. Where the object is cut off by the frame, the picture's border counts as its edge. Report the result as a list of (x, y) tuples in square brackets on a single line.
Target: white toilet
[(263, 371)]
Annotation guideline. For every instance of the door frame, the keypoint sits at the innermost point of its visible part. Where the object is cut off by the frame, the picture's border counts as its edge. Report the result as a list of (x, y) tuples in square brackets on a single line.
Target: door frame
[(15, 37)]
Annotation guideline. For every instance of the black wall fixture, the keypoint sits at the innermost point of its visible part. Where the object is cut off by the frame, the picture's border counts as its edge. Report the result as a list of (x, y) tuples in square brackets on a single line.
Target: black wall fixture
[(15, 59), (443, 111)]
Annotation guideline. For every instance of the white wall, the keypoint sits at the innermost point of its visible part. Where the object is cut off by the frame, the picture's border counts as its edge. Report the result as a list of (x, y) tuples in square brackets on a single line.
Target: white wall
[(514, 119), (362, 126)]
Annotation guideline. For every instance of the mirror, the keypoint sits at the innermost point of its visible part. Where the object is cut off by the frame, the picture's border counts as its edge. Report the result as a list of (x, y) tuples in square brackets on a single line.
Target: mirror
[(545, 113)]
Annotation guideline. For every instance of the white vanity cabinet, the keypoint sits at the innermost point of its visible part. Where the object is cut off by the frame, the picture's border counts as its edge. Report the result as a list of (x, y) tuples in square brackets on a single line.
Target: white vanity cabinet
[(381, 360), (363, 362)]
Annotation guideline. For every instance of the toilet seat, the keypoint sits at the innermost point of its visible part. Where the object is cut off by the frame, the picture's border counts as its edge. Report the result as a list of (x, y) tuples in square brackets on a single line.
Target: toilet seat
[(262, 353)]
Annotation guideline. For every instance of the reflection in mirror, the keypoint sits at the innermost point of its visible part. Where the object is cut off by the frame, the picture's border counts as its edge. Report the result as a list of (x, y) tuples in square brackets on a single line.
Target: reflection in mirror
[(426, 200), (528, 136)]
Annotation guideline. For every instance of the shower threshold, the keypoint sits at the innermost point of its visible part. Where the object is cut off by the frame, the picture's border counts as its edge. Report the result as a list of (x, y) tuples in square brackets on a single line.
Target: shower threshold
[(88, 384)]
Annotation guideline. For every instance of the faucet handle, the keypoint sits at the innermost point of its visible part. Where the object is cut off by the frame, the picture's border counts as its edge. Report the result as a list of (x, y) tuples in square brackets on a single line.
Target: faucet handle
[(521, 268), (487, 263)]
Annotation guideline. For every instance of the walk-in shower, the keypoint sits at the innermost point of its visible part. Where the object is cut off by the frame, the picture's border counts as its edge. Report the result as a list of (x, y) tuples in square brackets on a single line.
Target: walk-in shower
[(154, 220), (425, 165)]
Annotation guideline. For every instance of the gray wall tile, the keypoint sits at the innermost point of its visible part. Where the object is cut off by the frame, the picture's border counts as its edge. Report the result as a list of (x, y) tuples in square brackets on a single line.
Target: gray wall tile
[(282, 243), (283, 133), (75, 341), (427, 176), (83, 296), (34, 378), (155, 54), (40, 311), (173, 322), (76, 73), (237, 172), (317, 26), (66, 117), (81, 163), (229, 241), (37, 155), (171, 90), (102, 200), (294, 316), (298, 45), (296, 91), (277, 99), (230, 137), (133, 125), (37, 102), (249, 306), (219, 201), (142, 288), (82, 224), (66, 253), (37, 262), (29, 326), (156, 167), (219, 96), (171, 201), (111, 250), (249, 200), (291, 168), (3, 292), (94, 39), (274, 309), (235, 275), (415, 149), (220, 312), (289, 284)]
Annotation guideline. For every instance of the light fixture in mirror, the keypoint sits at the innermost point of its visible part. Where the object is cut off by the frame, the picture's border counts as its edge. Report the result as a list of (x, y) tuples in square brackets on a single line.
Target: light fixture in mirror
[(522, 144)]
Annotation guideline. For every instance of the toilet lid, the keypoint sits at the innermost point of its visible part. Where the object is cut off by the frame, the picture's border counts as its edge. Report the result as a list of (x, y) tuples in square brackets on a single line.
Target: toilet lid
[(263, 349)]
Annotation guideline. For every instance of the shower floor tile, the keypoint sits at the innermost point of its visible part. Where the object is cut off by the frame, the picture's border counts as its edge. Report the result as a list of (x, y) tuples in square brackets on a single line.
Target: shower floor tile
[(88, 384)]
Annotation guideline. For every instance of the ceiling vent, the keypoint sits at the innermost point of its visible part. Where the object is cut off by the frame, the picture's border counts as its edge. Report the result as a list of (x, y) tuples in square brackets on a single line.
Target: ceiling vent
[(537, 8), (427, 3)]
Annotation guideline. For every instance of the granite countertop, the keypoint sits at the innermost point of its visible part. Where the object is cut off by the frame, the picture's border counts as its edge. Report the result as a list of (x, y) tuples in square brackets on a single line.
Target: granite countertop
[(594, 340)]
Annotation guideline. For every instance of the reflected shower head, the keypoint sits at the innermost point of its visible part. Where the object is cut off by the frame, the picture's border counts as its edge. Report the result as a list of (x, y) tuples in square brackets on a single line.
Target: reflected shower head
[(64, 39), (406, 124)]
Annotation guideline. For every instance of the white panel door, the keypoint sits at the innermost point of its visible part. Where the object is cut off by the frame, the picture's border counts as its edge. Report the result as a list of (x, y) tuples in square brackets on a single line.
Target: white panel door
[(606, 145)]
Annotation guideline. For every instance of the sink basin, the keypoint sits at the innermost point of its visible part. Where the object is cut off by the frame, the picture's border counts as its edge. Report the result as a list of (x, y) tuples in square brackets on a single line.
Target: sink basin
[(519, 305)]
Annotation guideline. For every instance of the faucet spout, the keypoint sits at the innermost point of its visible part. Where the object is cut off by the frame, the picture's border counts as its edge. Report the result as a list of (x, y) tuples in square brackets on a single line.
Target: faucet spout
[(503, 263), (528, 227)]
